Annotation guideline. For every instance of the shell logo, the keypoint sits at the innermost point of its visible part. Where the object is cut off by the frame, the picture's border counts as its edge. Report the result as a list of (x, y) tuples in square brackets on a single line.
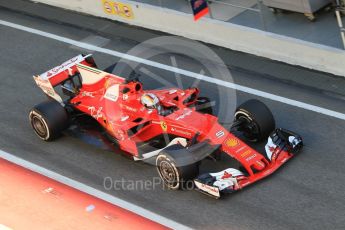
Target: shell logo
[(232, 142)]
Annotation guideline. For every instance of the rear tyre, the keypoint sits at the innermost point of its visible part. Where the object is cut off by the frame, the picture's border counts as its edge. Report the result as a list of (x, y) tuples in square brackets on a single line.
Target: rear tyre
[(48, 120), (175, 177), (257, 121)]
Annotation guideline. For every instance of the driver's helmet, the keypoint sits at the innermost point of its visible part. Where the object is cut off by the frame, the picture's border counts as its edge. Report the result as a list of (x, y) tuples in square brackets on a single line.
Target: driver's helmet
[(150, 101)]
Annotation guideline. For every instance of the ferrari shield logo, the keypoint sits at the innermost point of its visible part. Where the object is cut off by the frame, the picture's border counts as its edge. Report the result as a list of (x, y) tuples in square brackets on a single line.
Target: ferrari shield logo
[(164, 126)]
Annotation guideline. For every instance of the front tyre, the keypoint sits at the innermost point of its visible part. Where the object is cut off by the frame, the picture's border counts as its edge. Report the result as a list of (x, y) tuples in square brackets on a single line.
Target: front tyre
[(256, 119), (175, 177), (48, 120)]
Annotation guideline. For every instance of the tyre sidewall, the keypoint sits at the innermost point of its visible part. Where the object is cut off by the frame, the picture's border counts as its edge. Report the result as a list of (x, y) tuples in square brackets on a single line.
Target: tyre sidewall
[(241, 113), (165, 158), (35, 113), (54, 117), (258, 113)]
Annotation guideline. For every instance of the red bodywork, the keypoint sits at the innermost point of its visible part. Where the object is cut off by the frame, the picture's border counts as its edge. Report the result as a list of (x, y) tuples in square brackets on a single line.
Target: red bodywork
[(120, 111)]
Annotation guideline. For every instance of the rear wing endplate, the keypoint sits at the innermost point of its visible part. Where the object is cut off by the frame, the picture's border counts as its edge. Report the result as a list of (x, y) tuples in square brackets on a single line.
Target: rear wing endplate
[(47, 88), (48, 80)]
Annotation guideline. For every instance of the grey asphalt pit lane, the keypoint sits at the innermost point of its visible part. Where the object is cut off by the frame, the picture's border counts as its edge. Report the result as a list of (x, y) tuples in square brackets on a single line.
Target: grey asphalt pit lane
[(92, 40)]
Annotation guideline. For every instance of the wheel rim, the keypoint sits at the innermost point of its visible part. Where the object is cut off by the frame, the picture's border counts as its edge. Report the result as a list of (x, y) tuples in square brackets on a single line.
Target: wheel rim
[(168, 173), (250, 129), (39, 126)]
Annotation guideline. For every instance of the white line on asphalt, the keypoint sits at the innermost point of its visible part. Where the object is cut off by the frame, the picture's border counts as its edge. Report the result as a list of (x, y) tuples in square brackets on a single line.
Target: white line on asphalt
[(93, 192), (245, 89)]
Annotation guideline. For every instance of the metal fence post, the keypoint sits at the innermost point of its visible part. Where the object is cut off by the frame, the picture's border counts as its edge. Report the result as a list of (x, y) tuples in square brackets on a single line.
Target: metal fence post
[(209, 8), (263, 23), (340, 23)]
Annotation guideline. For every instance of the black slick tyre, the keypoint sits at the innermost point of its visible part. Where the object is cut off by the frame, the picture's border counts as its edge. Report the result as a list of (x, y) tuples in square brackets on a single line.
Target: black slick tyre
[(48, 119), (174, 176), (257, 120)]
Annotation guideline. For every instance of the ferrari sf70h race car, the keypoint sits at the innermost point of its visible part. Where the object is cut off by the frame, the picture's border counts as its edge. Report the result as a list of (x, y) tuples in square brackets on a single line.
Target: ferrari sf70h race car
[(137, 120)]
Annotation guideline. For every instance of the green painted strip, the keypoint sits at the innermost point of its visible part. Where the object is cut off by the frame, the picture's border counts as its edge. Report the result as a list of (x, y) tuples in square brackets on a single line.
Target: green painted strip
[(89, 69)]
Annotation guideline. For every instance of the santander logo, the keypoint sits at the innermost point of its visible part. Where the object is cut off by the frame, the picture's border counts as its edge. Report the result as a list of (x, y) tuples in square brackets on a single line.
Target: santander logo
[(62, 67)]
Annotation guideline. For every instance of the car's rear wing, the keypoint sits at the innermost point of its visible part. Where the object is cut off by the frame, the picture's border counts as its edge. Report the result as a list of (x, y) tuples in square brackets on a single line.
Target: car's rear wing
[(56, 76)]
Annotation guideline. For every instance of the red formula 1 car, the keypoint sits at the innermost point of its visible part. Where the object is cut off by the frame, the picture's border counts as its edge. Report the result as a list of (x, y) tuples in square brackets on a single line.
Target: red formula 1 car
[(139, 121)]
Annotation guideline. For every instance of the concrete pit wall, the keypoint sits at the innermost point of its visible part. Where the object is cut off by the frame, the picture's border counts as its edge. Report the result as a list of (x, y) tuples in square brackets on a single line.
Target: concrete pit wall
[(236, 37)]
